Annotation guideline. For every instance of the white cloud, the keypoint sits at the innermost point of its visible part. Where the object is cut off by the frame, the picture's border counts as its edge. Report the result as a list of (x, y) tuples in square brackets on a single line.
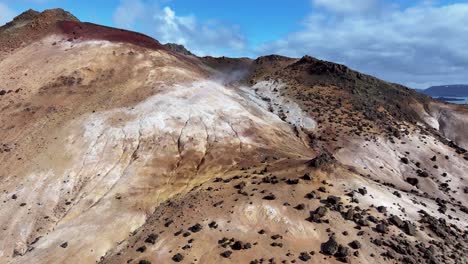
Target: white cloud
[(347, 6), (6, 14), (128, 12), (163, 23), (417, 46)]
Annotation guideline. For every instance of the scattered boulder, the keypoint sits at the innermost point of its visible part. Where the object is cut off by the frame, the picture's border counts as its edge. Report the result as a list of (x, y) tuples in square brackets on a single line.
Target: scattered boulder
[(196, 228), (213, 225), (313, 195), (362, 191), (321, 160), (409, 228), (342, 252), (396, 221), (304, 256), (151, 239), (306, 177), (330, 247), (292, 181), (269, 197), (349, 215), (333, 199), (226, 254), (355, 244), (300, 206), (321, 211), (382, 209), (238, 245), (412, 181), (178, 257), (422, 174), (381, 228), (141, 249)]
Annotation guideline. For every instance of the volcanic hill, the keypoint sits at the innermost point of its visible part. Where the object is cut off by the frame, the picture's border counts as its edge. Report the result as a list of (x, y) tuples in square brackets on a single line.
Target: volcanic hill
[(115, 148)]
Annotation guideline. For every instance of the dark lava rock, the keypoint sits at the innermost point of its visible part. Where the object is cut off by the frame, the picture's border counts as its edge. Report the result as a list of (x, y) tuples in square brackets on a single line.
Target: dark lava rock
[(333, 199), (277, 236), (178, 257), (311, 195), (320, 160), (442, 208), (342, 252), (299, 207), (404, 160), (277, 244), (412, 181), (321, 211), (240, 186), (349, 215), (168, 223), (422, 174), (330, 247), (213, 224), (306, 177), (292, 181), (304, 256), (362, 191), (64, 245), (151, 239), (355, 244), (377, 241), (269, 197), (238, 245), (382, 209), (141, 249), (196, 228), (144, 261), (396, 221), (226, 254), (362, 222), (382, 228), (409, 228), (372, 218)]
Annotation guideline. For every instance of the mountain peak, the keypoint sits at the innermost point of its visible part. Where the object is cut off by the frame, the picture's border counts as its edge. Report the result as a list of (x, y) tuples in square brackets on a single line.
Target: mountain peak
[(33, 17), (27, 15), (30, 25), (178, 48)]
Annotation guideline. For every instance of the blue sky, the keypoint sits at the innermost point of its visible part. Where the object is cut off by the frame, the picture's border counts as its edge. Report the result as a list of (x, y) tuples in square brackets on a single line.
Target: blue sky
[(418, 43)]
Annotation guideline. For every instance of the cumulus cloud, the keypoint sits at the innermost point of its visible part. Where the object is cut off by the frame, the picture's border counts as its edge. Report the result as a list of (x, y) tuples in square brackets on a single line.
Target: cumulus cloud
[(418, 46), (6, 14), (162, 22)]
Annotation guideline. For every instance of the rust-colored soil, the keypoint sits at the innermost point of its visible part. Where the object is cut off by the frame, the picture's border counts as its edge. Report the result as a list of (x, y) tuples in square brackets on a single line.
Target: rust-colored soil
[(89, 31)]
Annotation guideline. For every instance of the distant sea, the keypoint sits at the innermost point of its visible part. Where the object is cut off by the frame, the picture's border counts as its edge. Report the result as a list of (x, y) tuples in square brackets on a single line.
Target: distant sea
[(460, 100)]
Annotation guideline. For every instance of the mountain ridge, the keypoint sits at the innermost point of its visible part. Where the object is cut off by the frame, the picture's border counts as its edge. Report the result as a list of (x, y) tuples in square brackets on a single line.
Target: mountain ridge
[(117, 149), (457, 90)]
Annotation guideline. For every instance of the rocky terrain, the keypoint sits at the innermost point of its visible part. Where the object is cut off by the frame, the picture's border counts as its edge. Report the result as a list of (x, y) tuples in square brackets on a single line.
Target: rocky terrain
[(117, 149)]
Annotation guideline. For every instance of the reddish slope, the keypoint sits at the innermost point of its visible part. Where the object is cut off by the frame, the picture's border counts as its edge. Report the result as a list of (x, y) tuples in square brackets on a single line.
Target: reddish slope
[(87, 31)]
